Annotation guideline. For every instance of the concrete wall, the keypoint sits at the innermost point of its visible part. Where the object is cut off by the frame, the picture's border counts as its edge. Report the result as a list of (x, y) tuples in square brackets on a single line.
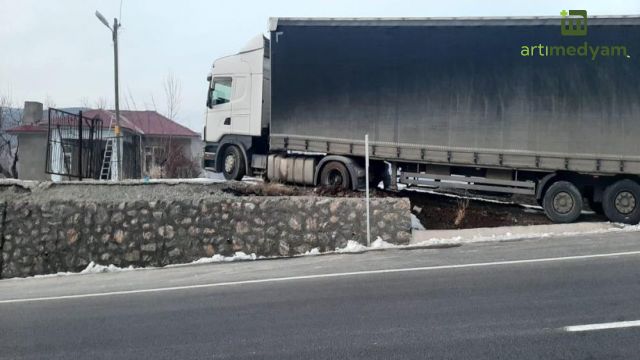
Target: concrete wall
[(44, 231), (32, 153)]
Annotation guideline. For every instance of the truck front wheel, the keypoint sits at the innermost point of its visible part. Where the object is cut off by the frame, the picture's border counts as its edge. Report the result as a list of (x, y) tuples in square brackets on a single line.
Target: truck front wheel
[(334, 174), (562, 202), (233, 166), (621, 202)]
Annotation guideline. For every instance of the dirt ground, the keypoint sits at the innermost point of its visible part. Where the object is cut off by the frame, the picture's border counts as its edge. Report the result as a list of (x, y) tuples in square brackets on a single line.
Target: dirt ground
[(435, 210)]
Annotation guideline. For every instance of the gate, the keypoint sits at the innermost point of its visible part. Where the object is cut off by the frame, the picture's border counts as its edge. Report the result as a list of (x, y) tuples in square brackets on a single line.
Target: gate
[(73, 145)]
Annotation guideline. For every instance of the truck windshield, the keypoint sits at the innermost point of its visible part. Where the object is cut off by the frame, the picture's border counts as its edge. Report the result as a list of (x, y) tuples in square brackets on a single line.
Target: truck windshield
[(220, 91)]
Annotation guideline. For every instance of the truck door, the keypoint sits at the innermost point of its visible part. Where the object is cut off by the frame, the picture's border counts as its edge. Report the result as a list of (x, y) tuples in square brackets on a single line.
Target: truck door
[(219, 108), (241, 105)]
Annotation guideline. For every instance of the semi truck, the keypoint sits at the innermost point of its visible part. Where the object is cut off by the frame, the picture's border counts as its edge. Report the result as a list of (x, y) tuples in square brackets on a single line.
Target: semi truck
[(501, 105)]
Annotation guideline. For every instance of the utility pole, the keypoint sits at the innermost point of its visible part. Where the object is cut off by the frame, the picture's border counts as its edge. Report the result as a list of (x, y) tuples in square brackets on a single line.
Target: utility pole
[(117, 130)]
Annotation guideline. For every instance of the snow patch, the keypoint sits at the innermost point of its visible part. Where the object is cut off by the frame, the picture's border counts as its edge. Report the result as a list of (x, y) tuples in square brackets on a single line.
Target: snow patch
[(312, 252), (94, 268), (509, 236), (381, 244), (352, 247), (416, 224), (355, 247), (217, 258)]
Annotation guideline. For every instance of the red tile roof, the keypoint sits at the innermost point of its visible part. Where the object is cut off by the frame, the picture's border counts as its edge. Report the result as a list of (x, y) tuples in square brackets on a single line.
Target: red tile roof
[(148, 123), (27, 129)]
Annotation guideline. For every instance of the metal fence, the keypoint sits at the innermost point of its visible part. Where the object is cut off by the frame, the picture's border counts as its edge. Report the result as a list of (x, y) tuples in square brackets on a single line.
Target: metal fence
[(73, 145)]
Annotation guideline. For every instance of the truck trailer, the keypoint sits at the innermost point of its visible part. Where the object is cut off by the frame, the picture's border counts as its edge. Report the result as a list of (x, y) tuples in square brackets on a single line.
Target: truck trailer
[(500, 105)]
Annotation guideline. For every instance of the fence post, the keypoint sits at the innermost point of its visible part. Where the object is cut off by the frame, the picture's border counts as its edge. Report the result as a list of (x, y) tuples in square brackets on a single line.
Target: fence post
[(80, 146)]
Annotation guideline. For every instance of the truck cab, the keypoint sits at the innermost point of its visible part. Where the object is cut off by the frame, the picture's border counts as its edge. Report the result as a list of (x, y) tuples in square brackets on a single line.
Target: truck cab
[(237, 114)]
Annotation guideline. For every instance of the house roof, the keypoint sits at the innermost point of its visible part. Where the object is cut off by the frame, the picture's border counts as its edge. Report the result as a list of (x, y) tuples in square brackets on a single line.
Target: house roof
[(27, 129), (148, 123), (145, 122), (153, 123)]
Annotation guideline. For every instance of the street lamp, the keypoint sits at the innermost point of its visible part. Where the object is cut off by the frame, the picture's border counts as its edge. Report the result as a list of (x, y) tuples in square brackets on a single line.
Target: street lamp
[(114, 33)]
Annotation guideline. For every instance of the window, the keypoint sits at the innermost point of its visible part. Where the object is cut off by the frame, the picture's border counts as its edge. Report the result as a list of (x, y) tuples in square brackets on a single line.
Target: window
[(148, 158), (220, 91), (153, 156)]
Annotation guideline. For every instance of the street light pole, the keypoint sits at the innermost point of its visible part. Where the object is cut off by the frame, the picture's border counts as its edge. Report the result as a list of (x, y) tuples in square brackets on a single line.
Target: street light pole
[(117, 101), (118, 142)]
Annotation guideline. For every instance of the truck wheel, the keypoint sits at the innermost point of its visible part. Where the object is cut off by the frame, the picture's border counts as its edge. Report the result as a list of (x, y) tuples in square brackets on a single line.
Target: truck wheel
[(621, 202), (233, 167), (334, 174), (562, 202)]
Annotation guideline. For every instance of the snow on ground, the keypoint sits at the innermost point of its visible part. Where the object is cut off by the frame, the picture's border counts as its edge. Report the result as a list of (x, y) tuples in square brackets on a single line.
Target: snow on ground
[(381, 244), (416, 224), (354, 247), (351, 247), (312, 252), (218, 178), (217, 258), (185, 181), (522, 232), (92, 268)]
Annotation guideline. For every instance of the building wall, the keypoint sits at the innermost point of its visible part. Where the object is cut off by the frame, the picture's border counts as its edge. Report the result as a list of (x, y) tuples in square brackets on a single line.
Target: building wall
[(187, 145), (32, 152)]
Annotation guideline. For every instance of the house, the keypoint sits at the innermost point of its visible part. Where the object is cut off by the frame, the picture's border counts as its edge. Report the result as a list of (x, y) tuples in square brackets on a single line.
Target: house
[(50, 148)]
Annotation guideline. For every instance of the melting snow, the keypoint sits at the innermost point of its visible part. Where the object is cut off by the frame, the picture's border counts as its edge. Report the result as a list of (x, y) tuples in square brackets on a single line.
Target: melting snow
[(314, 251), (352, 247), (415, 223), (238, 256)]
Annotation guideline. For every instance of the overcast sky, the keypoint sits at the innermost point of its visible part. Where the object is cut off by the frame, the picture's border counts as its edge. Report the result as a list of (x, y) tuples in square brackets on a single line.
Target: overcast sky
[(58, 52)]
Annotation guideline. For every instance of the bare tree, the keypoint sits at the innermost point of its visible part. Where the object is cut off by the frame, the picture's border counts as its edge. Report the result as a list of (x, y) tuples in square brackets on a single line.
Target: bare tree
[(173, 95), (130, 101), (100, 103), (49, 102), (84, 102), (9, 117)]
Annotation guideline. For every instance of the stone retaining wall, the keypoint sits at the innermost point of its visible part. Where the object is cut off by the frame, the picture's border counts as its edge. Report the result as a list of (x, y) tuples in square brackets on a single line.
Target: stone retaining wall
[(42, 236)]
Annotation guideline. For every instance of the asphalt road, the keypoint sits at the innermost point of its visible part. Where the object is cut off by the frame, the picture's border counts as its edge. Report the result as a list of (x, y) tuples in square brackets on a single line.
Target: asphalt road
[(482, 301)]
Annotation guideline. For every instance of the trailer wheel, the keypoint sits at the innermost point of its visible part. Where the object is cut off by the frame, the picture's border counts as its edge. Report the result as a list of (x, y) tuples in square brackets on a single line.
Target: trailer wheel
[(621, 202), (334, 174), (562, 202), (233, 166)]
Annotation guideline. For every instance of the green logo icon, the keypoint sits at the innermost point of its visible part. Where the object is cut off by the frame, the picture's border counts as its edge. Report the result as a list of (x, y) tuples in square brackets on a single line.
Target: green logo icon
[(573, 23)]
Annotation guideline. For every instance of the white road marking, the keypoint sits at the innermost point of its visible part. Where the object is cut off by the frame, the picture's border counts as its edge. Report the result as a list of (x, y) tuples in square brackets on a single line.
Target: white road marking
[(320, 276), (603, 326)]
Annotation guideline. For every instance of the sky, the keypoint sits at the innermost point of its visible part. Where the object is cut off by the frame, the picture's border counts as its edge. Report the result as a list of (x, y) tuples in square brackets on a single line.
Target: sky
[(57, 52)]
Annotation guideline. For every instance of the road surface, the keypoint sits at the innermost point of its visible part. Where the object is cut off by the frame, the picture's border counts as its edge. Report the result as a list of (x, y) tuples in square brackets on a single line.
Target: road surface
[(563, 298)]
